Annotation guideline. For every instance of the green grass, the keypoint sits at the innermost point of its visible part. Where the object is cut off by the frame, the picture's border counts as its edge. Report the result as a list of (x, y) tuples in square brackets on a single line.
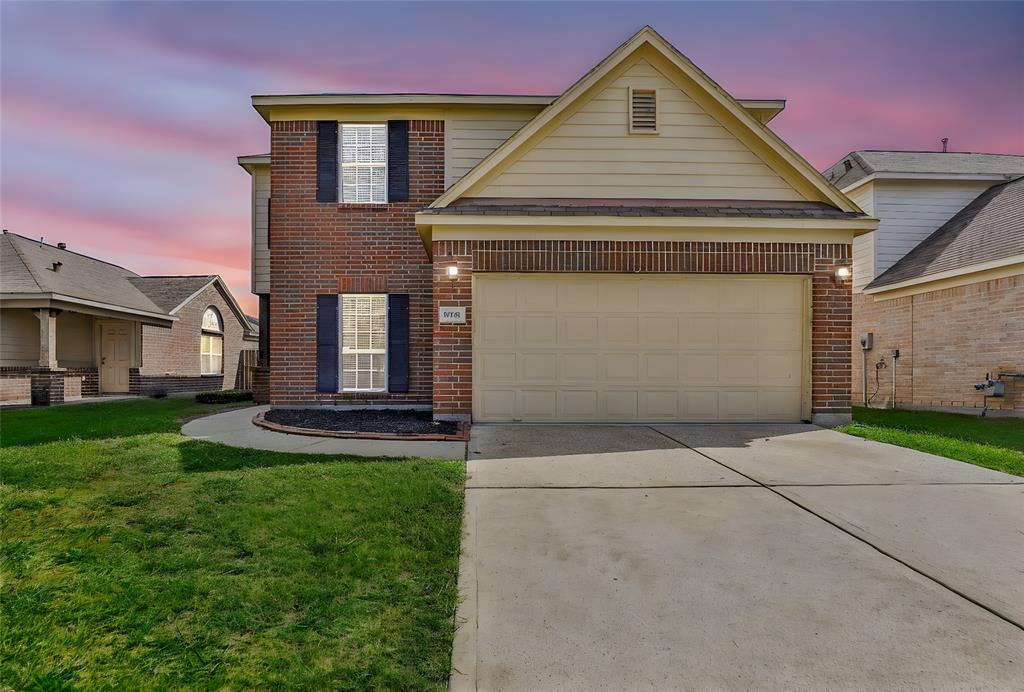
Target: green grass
[(141, 559), (995, 443)]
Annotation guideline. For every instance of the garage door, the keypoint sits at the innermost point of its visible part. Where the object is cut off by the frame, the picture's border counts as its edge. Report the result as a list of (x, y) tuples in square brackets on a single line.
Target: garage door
[(618, 348)]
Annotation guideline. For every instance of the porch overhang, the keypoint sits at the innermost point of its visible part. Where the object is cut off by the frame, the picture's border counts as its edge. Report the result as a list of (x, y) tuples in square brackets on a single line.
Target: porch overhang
[(56, 301), (439, 226)]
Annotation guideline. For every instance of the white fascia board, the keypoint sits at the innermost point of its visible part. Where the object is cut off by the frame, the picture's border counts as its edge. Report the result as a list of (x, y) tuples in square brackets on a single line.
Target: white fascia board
[(950, 274)]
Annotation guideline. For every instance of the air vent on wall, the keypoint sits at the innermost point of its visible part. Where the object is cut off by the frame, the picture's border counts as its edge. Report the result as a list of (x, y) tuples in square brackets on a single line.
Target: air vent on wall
[(643, 111)]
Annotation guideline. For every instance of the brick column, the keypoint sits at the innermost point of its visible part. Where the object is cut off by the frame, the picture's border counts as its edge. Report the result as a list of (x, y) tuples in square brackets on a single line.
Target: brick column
[(453, 343), (47, 387)]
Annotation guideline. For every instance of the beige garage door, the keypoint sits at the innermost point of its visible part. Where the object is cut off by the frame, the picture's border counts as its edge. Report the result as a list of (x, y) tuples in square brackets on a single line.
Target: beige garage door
[(587, 347)]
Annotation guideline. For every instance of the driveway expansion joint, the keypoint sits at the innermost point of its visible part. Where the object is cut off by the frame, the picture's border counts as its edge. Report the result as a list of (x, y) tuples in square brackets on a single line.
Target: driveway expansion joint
[(994, 611)]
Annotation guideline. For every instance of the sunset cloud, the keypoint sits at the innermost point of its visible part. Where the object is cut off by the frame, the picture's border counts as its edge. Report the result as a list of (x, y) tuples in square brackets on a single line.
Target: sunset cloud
[(121, 121)]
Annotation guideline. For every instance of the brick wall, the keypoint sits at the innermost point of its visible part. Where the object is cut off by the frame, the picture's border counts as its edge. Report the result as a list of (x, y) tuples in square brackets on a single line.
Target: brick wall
[(831, 302), (170, 357), (315, 246), (15, 386), (947, 340)]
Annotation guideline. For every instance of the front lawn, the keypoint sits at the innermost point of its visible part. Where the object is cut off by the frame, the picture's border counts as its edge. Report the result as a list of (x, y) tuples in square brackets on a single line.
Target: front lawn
[(139, 558), (995, 443)]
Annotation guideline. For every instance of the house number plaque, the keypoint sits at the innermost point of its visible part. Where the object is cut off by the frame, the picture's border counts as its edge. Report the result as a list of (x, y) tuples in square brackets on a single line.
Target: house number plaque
[(451, 315)]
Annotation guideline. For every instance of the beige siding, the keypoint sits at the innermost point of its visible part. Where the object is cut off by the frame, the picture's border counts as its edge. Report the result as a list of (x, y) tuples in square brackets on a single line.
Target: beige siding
[(469, 138), (864, 245), (75, 340), (260, 228), (19, 337), (591, 153), (910, 211)]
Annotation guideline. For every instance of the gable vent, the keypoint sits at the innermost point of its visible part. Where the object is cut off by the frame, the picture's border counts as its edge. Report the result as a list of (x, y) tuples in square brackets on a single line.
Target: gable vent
[(643, 111)]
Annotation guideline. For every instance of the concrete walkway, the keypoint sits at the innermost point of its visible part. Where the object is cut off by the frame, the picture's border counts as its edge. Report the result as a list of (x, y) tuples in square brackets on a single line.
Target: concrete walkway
[(734, 557), (236, 429)]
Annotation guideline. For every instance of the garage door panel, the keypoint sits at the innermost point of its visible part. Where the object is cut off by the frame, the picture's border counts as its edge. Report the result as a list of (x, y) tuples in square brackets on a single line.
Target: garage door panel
[(619, 347), (578, 296), (698, 332), (700, 368), (659, 330), (660, 367), (582, 330), (498, 367), (496, 331), (537, 331), (620, 330), (538, 367)]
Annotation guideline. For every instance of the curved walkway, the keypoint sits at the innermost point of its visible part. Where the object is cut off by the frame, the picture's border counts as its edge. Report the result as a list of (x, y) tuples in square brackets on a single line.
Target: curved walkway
[(236, 429)]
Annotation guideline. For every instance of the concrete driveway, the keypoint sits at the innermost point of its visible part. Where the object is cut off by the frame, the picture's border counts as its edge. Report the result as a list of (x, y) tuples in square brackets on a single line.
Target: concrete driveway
[(729, 557)]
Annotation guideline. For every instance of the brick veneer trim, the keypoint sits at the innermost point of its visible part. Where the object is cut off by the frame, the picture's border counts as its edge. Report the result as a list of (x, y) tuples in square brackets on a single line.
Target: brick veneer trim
[(830, 301)]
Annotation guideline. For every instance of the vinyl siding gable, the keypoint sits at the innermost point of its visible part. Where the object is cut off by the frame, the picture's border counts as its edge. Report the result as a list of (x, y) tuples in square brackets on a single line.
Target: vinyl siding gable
[(910, 211), (591, 153), (864, 245), (470, 137), (260, 230)]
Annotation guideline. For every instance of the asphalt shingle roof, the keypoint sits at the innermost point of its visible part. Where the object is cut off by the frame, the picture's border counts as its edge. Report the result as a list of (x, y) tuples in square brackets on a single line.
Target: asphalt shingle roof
[(858, 165), (989, 228), (170, 291), (495, 206), (28, 267)]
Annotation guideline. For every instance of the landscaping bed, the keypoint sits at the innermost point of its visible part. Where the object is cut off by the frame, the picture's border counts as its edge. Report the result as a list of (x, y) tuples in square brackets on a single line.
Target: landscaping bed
[(365, 423)]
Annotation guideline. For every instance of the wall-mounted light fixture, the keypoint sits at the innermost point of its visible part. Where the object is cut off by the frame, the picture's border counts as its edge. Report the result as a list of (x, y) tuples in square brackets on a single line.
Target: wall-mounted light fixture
[(453, 272), (842, 274)]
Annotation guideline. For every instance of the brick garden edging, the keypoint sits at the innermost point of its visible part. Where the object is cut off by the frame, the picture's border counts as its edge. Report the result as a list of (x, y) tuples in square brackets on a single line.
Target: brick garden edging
[(461, 436)]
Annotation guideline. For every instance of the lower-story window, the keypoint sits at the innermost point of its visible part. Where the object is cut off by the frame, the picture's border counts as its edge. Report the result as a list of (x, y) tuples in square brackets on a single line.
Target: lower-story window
[(211, 353), (364, 340)]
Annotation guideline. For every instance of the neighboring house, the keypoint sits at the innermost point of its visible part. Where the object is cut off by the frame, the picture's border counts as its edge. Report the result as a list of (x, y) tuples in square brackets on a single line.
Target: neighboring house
[(640, 248), (941, 279), (73, 326)]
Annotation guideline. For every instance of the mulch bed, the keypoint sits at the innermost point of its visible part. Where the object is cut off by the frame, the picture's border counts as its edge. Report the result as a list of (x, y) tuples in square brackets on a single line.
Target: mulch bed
[(375, 421)]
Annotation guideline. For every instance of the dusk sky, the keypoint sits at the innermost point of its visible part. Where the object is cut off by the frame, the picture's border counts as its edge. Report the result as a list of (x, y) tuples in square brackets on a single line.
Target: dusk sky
[(121, 122)]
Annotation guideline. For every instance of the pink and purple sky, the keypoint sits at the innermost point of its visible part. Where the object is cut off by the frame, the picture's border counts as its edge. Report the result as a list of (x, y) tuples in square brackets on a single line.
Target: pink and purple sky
[(120, 122)]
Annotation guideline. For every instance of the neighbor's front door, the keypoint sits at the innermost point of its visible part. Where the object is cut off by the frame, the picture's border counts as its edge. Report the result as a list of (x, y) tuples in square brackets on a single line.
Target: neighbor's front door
[(115, 356)]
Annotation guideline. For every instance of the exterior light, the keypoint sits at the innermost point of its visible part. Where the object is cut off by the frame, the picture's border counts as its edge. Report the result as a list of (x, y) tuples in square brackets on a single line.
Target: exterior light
[(843, 273), (453, 272)]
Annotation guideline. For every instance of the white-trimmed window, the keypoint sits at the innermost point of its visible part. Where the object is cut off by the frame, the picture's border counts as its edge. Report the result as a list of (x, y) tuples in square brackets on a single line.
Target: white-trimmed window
[(364, 163), (364, 342), (211, 343)]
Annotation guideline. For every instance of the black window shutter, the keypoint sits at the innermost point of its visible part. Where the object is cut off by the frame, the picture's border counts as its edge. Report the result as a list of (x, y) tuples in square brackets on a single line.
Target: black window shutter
[(398, 342), (398, 160), (326, 161), (327, 343)]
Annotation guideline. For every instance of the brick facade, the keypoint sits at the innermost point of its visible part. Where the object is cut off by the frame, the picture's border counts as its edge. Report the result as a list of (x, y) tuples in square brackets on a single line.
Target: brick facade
[(328, 247), (948, 340), (831, 301), (170, 357)]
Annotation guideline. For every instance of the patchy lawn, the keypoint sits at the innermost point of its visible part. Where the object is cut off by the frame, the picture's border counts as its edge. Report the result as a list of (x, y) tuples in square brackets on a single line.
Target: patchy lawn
[(140, 558), (995, 443)]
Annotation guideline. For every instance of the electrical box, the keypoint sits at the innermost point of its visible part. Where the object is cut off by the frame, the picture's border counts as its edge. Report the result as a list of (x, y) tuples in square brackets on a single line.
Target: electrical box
[(867, 340)]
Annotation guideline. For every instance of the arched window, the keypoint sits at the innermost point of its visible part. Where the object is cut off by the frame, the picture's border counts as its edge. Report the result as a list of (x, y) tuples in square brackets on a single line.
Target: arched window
[(211, 348)]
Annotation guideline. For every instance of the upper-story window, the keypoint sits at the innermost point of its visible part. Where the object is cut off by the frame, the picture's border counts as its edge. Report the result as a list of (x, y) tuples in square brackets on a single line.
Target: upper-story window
[(364, 163)]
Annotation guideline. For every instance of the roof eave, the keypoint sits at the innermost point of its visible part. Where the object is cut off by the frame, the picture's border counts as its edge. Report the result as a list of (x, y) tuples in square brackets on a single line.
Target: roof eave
[(94, 307)]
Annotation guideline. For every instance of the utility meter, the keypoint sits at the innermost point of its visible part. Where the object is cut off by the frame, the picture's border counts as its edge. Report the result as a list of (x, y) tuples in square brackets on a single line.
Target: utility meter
[(867, 340)]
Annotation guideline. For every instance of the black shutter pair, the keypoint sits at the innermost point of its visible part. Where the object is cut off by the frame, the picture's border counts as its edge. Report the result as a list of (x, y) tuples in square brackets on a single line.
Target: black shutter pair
[(328, 348), (327, 161)]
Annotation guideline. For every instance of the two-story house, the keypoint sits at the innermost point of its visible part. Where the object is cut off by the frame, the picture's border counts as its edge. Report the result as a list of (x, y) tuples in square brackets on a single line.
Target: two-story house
[(641, 247), (941, 281)]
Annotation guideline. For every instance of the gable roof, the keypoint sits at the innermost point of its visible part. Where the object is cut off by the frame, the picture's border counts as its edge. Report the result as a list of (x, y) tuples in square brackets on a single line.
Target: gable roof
[(788, 163), (171, 292), (175, 292), (28, 269), (858, 165), (989, 229)]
